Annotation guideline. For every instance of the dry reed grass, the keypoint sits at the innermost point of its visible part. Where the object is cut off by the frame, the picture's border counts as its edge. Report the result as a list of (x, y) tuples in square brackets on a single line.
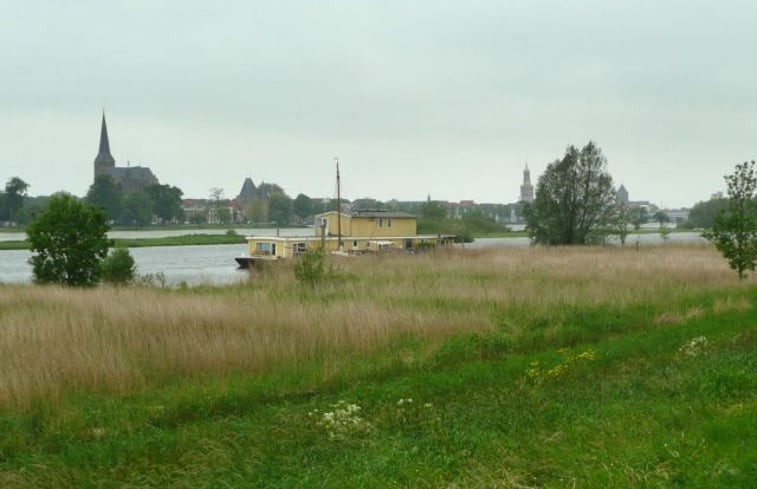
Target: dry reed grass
[(116, 340)]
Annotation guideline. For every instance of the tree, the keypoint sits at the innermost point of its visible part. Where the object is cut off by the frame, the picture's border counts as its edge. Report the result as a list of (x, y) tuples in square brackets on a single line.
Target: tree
[(433, 218), (15, 193), (32, 207), (638, 216), (257, 210), (702, 215), (106, 193), (137, 209), (302, 206), (574, 200), (661, 217), (223, 215), (69, 241), (118, 268), (620, 222), (734, 232), (279, 209), (166, 201)]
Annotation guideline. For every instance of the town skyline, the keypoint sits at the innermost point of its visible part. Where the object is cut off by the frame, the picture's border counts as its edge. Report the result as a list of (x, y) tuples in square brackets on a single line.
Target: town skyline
[(447, 99)]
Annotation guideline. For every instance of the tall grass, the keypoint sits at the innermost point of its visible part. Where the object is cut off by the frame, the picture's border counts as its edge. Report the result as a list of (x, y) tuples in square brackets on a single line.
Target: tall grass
[(55, 340)]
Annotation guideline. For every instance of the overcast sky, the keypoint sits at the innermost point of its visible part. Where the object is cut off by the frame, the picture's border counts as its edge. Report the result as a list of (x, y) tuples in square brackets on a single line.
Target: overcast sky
[(447, 98)]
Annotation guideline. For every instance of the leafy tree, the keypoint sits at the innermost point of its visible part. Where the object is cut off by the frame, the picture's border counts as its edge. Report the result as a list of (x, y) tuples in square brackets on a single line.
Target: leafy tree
[(433, 211), (638, 216), (620, 222), (32, 207), (223, 214), (137, 209), (118, 268), (574, 200), (257, 210), (734, 232), (106, 193), (166, 201), (661, 217), (703, 214), (13, 199), (279, 209), (69, 241), (302, 206)]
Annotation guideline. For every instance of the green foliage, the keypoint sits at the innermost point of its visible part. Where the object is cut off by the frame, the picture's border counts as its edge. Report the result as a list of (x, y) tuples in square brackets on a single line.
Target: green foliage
[(620, 221), (106, 193), (735, 230), (166, 202), (433, 211), (69, 241), (703, 214), (435, 220), (12, 200), (32, 206), (310, 268), (119, 268), (638, 216), (137, 209), (223, 214), (574, 200), (661, 217), (279, 209), (302, 206)]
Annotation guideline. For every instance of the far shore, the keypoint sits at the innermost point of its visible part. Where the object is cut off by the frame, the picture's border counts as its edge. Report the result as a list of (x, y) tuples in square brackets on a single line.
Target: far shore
[(184, 240)]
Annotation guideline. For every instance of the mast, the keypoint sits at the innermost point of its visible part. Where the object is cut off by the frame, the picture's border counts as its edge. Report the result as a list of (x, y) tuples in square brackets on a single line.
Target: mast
[(338, 208)]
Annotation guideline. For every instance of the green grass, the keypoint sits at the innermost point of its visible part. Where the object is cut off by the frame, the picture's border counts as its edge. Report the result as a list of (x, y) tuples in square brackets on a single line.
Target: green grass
[(614, 394), (640, 414)]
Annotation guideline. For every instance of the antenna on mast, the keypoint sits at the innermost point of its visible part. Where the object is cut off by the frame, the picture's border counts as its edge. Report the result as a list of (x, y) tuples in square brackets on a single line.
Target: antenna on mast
[(338, 208)]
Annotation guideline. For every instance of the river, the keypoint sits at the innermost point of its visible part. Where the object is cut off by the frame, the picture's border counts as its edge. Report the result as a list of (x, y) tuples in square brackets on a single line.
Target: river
[(214, 264)]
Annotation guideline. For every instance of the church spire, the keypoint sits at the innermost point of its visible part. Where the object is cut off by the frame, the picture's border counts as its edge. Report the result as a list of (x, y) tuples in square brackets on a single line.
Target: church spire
[(104, 143), (104, 159)]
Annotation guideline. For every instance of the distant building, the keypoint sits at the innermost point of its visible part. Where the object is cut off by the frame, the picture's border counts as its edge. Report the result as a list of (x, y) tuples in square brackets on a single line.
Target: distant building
[(130, 178), (248, 192), (527, 190), (622, 195)]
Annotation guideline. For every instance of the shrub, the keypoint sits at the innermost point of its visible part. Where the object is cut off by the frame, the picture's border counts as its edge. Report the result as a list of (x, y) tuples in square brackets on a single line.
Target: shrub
[(310, 268), (119, 268)]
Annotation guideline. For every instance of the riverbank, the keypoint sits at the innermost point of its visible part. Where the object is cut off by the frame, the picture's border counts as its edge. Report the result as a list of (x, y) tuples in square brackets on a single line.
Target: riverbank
[(184, 240), (520, 367)]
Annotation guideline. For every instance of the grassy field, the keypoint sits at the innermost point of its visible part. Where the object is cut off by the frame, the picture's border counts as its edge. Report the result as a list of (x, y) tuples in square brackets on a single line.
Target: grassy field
[(508, 368)]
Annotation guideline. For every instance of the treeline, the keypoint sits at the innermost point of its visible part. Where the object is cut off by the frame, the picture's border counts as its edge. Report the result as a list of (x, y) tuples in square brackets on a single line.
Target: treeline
[(159, 203)]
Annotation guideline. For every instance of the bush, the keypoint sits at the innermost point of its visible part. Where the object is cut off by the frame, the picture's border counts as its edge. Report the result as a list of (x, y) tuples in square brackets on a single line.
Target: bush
[(310, 268), (69, 242), (119, 268)]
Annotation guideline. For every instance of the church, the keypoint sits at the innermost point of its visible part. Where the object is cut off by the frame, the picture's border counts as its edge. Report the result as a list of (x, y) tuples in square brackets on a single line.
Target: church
[(130, 178)]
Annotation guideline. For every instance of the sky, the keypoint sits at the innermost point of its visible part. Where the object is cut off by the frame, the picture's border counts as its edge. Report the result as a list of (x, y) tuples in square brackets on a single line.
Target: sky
[(443, 98)]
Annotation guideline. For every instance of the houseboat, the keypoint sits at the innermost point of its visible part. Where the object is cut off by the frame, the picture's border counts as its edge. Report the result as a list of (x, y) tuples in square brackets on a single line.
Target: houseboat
[(354, 233)]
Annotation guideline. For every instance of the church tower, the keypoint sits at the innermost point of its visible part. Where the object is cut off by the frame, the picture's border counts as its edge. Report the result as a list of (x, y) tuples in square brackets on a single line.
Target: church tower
[(527, 190), (104, 160)]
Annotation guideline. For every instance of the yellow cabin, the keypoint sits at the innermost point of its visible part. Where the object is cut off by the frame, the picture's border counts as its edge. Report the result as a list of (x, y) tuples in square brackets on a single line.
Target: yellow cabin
[(360, 232), (367, 224)]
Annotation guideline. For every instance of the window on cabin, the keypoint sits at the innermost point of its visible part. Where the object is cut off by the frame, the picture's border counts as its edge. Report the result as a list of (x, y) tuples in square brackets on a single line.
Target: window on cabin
[(265, 248), (381, 222), (389, 222)]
